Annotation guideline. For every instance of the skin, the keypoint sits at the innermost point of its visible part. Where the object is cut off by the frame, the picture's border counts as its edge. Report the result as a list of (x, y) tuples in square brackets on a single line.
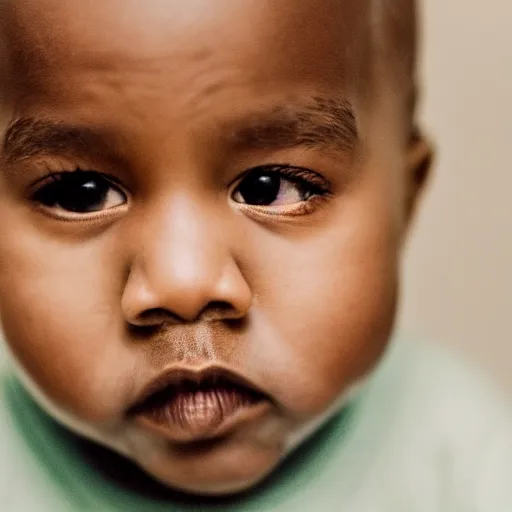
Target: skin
[(299, 297)]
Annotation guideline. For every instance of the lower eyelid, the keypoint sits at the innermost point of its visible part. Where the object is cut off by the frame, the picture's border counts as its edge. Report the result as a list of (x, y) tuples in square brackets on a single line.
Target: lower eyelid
[(288, 211), (65, 216)]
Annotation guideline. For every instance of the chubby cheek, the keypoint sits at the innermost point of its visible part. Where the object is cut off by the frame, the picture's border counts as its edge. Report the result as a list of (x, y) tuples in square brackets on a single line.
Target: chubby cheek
[(331, 304), (60, 324)]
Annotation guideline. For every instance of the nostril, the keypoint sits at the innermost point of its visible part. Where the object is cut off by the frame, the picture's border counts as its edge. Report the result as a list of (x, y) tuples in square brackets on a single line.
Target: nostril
[(219, 310), (157, 316)]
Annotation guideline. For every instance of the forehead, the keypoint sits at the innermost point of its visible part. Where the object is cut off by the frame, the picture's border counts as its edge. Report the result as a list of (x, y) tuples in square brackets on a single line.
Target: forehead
[(52, 40), (170, 78)]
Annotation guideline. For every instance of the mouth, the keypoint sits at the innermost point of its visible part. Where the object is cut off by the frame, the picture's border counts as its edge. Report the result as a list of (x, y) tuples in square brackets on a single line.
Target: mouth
[(185, 405)]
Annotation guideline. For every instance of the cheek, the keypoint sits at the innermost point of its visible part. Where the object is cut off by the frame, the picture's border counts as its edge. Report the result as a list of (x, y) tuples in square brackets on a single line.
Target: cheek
[(60, 324), (332, 304)]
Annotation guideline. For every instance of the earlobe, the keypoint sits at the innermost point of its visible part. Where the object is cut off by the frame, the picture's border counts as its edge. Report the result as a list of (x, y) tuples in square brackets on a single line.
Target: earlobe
[(420, 156)]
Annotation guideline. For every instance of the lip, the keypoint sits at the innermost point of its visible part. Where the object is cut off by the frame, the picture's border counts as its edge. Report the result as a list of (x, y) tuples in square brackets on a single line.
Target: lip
[(186, 404)]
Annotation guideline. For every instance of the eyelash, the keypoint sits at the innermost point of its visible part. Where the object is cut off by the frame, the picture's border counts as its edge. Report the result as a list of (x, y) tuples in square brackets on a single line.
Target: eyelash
[(317, 185), (320, 187), (298, 175), (54, 178)]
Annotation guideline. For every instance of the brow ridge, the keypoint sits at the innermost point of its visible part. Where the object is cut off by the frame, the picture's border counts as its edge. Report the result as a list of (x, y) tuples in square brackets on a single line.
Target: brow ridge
[(28, 137), (319, 122)]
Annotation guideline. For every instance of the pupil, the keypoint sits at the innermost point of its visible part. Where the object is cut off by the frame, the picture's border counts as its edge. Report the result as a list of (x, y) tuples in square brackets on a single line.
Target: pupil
[(260, 189), (82, 195)]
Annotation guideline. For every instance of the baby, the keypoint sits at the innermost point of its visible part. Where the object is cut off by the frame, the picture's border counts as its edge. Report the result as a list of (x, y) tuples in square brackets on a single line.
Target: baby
[(203, 206)]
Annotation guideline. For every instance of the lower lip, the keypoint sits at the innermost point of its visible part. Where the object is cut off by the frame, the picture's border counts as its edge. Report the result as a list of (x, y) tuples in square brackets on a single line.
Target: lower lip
[(202, 415)]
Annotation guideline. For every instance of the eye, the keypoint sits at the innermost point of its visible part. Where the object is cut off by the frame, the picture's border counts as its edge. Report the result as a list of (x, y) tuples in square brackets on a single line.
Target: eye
[(279, 186), (79, 192)]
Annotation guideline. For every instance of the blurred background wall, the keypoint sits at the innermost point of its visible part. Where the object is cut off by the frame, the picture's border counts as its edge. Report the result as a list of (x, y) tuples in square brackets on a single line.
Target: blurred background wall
[(458, 274)]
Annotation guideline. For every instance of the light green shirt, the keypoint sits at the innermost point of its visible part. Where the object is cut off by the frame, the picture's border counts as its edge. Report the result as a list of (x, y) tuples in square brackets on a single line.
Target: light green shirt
[(426, 434)]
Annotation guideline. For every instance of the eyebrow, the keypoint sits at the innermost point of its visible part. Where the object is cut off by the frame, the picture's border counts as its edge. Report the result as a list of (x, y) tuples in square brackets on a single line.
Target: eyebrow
[(28, 137), (318, 122)]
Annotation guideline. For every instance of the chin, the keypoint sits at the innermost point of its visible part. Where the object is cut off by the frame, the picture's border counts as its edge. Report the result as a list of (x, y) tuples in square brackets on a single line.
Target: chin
[(220, 489), (223, 469)]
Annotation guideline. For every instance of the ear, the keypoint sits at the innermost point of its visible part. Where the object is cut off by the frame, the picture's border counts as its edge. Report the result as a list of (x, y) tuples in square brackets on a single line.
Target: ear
[(420, 156)]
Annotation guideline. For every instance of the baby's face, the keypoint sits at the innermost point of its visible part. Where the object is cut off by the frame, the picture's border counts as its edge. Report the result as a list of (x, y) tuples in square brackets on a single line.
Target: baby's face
[(201, 203)]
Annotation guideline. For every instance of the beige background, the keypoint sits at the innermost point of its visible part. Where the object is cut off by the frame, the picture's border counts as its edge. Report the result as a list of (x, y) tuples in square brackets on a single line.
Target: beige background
[(458, 275)]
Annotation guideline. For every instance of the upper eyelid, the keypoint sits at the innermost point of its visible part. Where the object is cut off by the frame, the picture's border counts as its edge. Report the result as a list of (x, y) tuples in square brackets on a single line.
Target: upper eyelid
[(288, 171), (53, 176), (324, 186)]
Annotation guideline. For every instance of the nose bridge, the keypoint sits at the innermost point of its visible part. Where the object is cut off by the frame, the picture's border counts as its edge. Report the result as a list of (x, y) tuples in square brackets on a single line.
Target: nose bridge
[(183, 262), (182, 244)]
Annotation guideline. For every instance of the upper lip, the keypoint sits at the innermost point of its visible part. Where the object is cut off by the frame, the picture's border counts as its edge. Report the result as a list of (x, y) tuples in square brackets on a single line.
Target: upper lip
[(177, 375)]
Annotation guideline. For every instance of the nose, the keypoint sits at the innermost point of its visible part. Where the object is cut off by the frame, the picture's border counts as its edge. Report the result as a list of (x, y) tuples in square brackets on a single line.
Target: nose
[(182, 269)]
